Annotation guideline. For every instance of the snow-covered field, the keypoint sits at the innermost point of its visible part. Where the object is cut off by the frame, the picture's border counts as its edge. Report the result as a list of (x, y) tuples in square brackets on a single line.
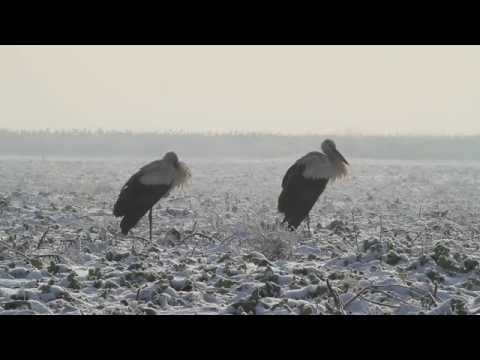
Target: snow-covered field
[(396, 237)]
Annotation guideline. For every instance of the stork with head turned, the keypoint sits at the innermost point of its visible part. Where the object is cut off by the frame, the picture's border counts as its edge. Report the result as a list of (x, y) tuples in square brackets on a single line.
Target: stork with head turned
[(146, 187), (306, 179)]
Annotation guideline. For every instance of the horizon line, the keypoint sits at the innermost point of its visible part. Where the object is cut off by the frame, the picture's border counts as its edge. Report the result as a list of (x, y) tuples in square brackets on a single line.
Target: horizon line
[(180, 132)]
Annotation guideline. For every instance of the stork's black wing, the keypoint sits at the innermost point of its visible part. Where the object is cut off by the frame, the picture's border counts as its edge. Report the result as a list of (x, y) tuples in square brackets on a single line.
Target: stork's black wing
[(125, 193), (298, 195), (136, 199), (292, 171)]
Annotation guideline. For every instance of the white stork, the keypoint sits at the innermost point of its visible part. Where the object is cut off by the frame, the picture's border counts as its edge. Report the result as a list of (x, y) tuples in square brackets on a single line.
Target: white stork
[(146, 187), (306, 180)]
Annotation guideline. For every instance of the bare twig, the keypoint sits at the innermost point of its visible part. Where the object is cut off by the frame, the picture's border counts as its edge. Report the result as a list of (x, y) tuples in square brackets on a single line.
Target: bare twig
[(192, 232), (432, 299), (57, 257), (40, 242), (202, 236), (418, 235), (419, 291), (16, 251), (140, 238), (423, 246), (227, 239), (32, 259), (197, 242), (378, 288), (373, 288), (365, 289), (355, 231), (381, 228), (194, 248), (138, 291), (389, 295), (379, 303), (336, 298)]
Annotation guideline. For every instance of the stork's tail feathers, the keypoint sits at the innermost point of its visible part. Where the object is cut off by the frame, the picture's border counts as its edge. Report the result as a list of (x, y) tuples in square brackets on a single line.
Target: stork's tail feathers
[(292, 218), (130, 217), (117, 209), (129, 222), (282, 202), (121, 205)]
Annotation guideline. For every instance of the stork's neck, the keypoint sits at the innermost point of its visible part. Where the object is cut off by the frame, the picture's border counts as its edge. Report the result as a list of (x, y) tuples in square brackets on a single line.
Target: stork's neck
[(332, 156), (337, 163)]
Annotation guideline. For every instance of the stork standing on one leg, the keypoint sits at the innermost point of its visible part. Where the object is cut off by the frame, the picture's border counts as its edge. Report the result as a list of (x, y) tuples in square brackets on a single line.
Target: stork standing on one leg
[(146, 187), (306, 180)]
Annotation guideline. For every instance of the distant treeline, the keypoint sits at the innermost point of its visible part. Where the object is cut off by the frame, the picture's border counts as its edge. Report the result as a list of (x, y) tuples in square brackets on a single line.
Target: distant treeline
[(115, 143)]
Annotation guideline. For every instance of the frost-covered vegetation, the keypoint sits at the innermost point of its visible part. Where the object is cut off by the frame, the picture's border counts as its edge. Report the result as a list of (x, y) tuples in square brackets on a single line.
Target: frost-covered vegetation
[(396, 237)]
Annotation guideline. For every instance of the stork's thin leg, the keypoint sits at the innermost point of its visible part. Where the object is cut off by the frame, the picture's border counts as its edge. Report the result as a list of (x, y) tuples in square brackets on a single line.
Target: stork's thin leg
[(308, 224), (150, 222), (287, 226)]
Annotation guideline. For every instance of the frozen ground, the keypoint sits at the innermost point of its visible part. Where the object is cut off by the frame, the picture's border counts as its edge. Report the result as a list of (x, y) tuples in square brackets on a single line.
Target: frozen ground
[(394, 238)]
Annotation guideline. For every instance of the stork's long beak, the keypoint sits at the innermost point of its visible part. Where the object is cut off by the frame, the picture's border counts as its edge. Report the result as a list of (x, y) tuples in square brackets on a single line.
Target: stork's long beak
[(341, 157)]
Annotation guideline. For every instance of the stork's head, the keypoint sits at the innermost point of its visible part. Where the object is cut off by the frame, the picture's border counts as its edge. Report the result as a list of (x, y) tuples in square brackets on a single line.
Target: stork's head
[(182, 172), (330, 149), (328, 146), (171, 157)]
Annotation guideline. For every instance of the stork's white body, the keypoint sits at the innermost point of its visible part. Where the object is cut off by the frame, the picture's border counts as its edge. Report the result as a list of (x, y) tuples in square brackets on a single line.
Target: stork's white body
[(319, 166)]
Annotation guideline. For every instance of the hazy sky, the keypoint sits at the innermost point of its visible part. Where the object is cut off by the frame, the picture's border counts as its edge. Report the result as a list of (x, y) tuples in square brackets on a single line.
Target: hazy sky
[(285, 89)]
